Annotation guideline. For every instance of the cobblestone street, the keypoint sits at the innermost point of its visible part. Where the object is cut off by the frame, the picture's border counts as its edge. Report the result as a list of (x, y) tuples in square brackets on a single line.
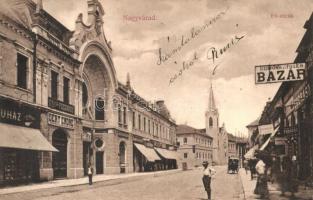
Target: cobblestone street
[(181, 185)]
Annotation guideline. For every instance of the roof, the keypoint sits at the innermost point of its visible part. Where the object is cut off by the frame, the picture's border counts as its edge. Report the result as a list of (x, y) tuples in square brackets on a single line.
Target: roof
[(212, 105), (185, 129), (254, 123)]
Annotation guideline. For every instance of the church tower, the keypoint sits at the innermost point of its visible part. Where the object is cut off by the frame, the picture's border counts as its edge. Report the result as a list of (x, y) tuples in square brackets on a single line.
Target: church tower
[(212, 126)]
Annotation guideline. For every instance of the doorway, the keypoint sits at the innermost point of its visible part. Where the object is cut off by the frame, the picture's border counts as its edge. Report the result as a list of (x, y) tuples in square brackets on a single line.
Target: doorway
[(99, 162), (59, 159)]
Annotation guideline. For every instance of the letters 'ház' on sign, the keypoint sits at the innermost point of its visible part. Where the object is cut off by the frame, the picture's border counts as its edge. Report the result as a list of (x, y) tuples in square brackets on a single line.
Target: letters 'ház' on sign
[(279, 73)]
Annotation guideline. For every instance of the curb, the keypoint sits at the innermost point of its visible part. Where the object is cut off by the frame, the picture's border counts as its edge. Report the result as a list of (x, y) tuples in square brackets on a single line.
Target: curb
[(50, 185)]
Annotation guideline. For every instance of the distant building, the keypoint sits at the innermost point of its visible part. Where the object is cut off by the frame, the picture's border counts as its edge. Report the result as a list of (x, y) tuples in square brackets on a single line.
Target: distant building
[(252, 131), (194, 146)]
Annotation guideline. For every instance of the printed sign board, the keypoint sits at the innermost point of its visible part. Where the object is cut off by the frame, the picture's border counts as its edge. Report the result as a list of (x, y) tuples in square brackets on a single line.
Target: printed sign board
[(279, 73)]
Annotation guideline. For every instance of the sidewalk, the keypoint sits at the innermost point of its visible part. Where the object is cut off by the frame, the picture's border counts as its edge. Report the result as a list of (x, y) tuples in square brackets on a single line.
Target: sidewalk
[(81, 181), (274, 191)]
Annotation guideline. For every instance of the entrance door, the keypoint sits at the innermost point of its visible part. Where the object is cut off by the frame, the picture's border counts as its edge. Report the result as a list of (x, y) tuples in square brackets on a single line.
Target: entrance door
[(122, 154), (86, 156), (59, 159), (99, 162)]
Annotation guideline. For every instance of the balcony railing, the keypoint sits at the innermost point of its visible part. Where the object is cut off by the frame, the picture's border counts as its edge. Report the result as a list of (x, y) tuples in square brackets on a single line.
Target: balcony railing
[(293, 130), (58, 105)]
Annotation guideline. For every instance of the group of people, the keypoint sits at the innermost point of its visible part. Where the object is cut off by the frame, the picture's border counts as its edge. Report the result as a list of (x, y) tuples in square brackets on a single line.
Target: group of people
[(282, 169)]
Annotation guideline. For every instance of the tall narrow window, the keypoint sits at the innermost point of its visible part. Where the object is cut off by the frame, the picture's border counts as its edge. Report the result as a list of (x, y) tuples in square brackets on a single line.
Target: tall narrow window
[(153, 132), (99, 109), (139, 122), (149, 128), (119, 114), (125, 116), (66, 90), (134, 119), (144, 124), (210, 122), (22, 71), (54, 85), (85, 95)]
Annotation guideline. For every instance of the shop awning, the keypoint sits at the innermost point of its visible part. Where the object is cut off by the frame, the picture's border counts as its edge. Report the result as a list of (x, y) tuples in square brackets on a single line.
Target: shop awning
[(23, 138), (167, 154), (149, 153), (250, 153), (269, 139)]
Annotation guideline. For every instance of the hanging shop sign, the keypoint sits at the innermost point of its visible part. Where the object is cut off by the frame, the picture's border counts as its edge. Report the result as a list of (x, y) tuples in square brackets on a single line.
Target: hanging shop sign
[(17, 113), (300, 96), (266, 129), (61, 121), (279, 73)]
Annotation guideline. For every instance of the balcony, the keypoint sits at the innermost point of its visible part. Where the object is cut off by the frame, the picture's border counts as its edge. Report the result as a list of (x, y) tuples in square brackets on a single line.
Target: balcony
[(58, 105)]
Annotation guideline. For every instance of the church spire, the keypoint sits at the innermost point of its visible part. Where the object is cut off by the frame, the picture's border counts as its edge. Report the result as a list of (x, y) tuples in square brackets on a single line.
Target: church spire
[(212, 106)]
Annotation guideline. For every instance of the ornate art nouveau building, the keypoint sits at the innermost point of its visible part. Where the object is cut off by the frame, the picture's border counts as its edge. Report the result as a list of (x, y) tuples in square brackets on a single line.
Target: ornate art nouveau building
[(62, 106)]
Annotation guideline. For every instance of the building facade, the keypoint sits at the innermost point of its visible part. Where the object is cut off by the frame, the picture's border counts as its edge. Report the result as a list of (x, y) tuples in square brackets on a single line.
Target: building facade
[(60, 87), (195, 146), (290, 113)]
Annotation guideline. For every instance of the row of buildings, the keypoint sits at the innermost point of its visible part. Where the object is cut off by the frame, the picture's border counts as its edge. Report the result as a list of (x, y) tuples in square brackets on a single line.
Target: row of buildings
[(290, 114), (62, 107), (213, 143)]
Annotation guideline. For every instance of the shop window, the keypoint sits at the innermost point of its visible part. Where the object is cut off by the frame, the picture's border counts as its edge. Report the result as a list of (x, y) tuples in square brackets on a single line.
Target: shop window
[(54, 85), (66, 90), (185, 155), (99, 109), (22, 71)]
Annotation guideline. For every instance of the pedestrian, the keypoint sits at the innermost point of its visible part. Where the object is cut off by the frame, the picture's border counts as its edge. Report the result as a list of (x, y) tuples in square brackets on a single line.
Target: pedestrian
[(261, 168), (246, 165), (90, 172), (208, 172)]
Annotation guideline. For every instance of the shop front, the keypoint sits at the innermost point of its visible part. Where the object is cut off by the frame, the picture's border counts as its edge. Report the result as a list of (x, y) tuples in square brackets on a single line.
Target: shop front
[(20, 142)]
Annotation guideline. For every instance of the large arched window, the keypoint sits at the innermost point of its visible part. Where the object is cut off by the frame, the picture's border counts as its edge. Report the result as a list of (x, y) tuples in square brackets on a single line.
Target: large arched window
[(210, 122)]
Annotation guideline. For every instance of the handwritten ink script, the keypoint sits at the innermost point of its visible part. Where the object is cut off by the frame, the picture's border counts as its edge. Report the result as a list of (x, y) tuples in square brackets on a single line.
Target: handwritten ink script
[(185, 66), (194, 33)]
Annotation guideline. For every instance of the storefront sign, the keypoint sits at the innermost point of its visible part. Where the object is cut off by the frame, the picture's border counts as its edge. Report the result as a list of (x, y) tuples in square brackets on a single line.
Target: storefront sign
[(279, 73), (61, 121), (299, 97), (55, 104), (17, 113), (266, 129)]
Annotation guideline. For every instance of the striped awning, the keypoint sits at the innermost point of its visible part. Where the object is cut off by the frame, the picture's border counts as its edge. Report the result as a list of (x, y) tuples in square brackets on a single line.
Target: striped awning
[(167, 154), (149, 153)]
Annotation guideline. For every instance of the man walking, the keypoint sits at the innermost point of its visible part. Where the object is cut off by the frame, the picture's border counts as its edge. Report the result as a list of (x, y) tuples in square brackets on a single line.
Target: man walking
[(90, 172), (208, 172)]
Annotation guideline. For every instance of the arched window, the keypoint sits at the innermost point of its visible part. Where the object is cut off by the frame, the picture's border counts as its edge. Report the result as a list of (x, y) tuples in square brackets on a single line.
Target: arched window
[(293, 120), (210, 122)]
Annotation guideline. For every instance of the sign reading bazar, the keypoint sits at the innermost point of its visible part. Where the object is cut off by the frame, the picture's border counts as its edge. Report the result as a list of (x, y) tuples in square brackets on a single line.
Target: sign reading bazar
[(279, 73)]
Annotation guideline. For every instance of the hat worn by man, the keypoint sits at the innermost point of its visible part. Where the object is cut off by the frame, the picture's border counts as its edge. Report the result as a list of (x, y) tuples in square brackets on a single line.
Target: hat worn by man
[(205, 163)]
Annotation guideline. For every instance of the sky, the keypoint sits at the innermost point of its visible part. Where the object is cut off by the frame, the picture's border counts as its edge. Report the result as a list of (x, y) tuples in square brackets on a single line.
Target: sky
[(270, 33)]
